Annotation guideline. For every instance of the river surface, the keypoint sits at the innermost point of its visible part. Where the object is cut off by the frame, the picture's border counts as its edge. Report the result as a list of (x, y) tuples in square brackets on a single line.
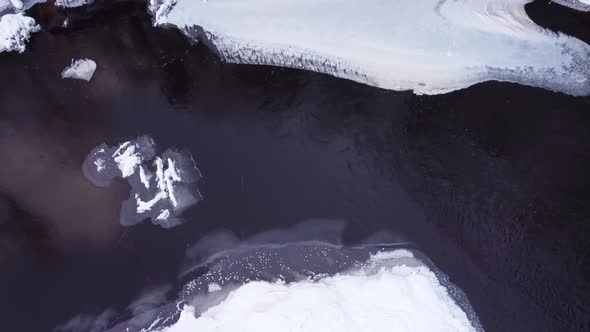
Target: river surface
[(492, 183)]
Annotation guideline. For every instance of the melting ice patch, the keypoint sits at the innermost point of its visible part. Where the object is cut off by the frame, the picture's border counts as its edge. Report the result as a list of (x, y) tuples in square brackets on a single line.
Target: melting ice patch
[(429, 46), (81, 69), (15, 30), (162, 186)]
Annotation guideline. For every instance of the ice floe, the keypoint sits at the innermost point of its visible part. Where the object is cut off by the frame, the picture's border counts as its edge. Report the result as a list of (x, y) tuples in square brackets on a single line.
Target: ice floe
[(162, 187), (428, 46), (81, 69)]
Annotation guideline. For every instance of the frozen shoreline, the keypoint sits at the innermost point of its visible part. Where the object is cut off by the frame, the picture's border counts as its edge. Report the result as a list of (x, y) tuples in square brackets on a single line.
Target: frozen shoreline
[(300, 286), (429, 47)]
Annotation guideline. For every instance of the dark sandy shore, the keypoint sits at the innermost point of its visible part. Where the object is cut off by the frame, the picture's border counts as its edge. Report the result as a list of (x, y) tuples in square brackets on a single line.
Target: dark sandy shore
[(492, 182)]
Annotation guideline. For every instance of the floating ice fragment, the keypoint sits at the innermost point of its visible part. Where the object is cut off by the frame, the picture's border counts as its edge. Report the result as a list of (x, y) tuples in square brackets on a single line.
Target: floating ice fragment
[(81, 69), (159, 194)]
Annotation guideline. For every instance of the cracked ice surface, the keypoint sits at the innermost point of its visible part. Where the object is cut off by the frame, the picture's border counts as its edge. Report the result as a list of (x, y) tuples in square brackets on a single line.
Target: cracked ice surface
[(428, 46), (162, 187)]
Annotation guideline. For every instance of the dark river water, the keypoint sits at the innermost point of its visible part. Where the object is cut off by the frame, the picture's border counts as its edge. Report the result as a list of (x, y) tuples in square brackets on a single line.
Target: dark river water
[(492, 182)]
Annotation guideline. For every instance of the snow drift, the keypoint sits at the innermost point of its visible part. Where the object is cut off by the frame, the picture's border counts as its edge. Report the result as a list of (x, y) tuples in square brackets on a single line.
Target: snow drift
[(428, 46)]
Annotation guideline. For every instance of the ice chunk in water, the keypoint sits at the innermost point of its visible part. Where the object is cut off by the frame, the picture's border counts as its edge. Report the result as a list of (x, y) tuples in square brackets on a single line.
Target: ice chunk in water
[(81, 69), (162, 187)]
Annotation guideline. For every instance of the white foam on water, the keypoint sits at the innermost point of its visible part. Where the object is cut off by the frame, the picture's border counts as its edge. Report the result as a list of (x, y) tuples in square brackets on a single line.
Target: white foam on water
[(428, 46), (15, 31), (81, 69)]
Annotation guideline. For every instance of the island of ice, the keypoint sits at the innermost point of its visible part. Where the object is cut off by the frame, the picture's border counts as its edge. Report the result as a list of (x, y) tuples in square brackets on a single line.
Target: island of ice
[(428, 46), (15, 30), (162, 187)]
